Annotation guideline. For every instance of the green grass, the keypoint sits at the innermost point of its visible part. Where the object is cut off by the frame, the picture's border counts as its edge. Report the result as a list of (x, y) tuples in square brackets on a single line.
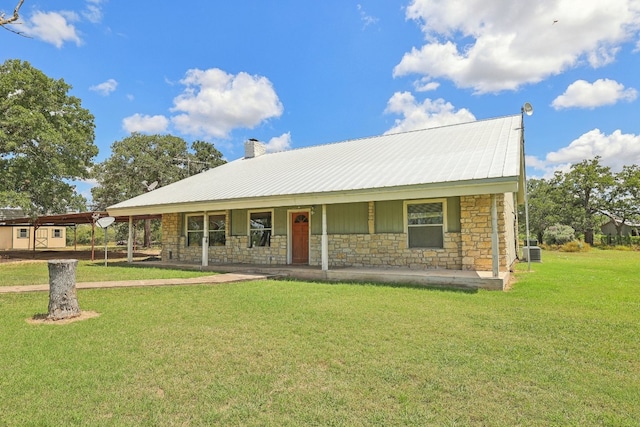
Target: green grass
[(561, 348), (37, 273)]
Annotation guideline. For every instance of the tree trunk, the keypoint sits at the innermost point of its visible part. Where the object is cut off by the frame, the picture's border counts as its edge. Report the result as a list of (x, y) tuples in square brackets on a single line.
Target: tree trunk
[(147, 233), (588, 236), (63, 301)]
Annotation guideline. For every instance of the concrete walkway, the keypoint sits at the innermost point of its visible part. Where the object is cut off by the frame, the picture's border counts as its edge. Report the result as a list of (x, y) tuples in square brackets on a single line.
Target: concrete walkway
[(218, 278)]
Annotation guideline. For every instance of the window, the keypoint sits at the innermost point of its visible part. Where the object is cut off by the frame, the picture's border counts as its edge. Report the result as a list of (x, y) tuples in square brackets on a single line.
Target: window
[(23, 233), (217, 225), (425, 225), (260, 228), (195, 230), (57, 233)]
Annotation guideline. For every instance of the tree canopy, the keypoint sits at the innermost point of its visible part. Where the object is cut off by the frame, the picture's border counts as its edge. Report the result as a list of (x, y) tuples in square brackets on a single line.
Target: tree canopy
[(46, 140), (582, 197), (150, 158)]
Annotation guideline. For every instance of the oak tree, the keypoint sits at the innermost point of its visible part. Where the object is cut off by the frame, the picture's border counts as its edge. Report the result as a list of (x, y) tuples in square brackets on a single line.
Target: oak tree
[(46, 141)]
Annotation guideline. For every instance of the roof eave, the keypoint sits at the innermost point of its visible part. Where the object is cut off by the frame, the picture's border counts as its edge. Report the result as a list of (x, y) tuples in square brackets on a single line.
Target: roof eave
[(422, 191)]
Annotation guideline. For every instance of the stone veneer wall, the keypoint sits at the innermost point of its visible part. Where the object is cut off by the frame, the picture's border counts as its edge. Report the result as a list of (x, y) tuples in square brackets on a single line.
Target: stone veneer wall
[(386, 250), (171, 226), (476, 230), (469, 249)]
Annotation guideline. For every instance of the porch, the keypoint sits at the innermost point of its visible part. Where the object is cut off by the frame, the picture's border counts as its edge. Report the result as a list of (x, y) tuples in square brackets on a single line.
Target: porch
[(436, 278)]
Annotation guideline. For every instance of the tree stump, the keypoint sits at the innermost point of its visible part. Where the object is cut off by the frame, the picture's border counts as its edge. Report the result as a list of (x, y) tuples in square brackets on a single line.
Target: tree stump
[(63, 301)]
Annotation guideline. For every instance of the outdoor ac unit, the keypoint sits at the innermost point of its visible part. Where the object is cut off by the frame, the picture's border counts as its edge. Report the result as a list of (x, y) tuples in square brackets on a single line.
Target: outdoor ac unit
[(531, 253)]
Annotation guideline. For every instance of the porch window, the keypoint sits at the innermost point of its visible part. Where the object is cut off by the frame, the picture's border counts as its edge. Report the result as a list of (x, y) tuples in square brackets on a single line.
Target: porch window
[(260, 228), (217, 230), (23, 233), (425, 225), (195, 230)]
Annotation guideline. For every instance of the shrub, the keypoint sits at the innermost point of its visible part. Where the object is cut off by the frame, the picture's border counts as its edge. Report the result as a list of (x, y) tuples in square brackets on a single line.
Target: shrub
[(559, 234), (575, 246)]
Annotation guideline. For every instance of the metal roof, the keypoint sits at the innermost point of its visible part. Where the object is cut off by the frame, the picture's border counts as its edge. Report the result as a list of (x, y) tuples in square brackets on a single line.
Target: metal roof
[(485, 151)]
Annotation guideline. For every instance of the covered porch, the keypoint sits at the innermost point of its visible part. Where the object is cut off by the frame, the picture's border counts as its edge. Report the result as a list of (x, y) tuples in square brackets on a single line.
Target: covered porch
[(432, 278)]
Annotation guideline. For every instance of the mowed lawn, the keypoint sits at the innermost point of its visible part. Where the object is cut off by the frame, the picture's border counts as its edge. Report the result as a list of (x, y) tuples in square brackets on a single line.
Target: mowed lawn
[(561, 348), (37, 272)]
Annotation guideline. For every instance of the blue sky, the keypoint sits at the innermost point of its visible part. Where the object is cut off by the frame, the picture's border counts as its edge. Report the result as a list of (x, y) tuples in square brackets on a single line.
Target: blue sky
[(294, 73)]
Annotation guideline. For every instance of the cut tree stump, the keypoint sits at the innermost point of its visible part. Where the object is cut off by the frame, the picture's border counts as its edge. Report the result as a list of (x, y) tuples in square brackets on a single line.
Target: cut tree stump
[(63, 300)]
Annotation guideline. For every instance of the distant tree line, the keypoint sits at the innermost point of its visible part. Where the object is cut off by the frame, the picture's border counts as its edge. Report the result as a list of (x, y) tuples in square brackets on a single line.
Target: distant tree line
[(584, 198)]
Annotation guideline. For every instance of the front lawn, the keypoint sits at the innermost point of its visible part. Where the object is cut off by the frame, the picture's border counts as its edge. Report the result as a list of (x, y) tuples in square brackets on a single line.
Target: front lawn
[(37, 272), (561, 348)]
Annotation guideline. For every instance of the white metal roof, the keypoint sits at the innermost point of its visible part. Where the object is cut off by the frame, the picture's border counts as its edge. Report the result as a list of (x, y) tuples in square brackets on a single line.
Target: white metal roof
[(424, 162)]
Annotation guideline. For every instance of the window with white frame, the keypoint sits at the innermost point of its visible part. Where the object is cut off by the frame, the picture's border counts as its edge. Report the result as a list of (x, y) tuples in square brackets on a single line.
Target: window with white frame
[(23, 233), (217, 225), (425, 224), (260, 228), (195, 230), (57, 233)]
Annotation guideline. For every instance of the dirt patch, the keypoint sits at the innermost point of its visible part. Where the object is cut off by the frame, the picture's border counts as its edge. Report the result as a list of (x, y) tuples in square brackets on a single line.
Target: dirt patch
[(41, 319)]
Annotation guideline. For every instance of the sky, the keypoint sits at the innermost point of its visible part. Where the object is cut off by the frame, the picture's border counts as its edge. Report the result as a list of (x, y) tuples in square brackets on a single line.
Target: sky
[(296, 73)]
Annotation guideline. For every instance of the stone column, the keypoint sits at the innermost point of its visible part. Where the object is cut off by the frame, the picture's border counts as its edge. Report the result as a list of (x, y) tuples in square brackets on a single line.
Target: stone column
[(63, 301)]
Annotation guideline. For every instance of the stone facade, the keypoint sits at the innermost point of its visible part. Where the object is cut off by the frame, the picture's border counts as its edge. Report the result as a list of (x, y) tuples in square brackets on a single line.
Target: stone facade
[(386, 250), (469, 249), (476, 232)]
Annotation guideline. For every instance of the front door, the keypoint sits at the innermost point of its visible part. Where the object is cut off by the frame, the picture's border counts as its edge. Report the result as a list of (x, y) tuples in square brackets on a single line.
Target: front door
[(300, 238)]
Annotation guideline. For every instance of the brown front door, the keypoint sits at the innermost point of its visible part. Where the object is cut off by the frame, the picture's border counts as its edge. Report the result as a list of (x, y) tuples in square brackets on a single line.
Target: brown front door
[(300, 238)]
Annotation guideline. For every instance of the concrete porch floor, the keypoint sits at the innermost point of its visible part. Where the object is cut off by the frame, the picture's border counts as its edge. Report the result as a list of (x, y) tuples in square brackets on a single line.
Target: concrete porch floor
[(469, 280)]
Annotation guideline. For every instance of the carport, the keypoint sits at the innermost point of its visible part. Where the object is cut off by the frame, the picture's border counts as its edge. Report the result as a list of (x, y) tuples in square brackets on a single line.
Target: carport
[(73, 219)]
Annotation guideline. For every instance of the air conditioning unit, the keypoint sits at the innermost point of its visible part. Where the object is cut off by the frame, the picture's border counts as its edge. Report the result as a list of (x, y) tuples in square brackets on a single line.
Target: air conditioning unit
[(532, 253)]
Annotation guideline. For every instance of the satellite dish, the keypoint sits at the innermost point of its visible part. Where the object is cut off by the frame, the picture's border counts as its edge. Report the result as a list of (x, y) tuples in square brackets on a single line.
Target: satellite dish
[(527, 108), (106, 221)]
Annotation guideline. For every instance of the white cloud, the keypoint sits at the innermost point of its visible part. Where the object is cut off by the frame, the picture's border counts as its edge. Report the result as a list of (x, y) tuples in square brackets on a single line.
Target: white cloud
[(53, 27), (214, 102), (616, 150), (429, 114), (583, 94), (366, 18), (279, 143), (145, 124), (93, 14), (425, 85), (105, 88), (502, 44)]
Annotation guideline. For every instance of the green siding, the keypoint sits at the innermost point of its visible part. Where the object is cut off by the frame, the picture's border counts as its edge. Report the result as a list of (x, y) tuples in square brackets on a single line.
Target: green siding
[(389, 217), (239, 222), (280, 221), (316, 220), (453, 214), (348, 218)]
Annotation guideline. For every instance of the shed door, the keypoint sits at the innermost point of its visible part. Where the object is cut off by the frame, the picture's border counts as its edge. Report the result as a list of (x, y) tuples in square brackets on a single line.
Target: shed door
[(300, 238), (42, 238)]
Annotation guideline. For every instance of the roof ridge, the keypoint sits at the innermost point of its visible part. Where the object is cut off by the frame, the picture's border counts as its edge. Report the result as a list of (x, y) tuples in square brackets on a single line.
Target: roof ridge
[(390, 134)]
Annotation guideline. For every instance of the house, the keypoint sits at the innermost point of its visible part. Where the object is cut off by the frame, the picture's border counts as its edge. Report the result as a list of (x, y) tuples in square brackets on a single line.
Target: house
[(440, 198), (626, 229), (25, 236)]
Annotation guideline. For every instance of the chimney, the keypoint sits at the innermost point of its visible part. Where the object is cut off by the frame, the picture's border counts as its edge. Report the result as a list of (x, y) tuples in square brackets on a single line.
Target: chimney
[(254, 148)]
